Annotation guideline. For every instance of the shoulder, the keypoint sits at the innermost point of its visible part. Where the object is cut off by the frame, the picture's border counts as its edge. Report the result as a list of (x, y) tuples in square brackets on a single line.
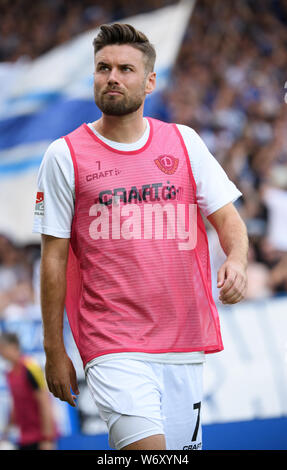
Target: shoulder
[(190, 136), (183, 128), (200, 157), (187, 133), (57, 149), (34, 372), (195, 146), (57, 159)]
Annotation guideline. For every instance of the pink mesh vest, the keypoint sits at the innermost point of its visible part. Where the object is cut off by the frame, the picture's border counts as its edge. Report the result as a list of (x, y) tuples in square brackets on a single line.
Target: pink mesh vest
[(138, 275)]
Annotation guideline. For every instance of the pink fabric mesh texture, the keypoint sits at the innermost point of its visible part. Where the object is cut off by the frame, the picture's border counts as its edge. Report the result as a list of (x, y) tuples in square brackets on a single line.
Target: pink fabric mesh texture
[(136, 294)]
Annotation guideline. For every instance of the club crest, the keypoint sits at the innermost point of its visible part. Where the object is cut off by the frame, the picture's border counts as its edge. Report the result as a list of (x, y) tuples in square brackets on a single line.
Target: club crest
[(167, 163)]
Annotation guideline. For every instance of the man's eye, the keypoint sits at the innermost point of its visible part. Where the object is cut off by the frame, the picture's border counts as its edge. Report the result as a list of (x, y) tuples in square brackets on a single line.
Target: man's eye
[(103, 67)]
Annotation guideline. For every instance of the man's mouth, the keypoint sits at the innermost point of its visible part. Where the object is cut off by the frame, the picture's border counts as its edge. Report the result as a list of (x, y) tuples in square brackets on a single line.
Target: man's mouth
[(113, 92)]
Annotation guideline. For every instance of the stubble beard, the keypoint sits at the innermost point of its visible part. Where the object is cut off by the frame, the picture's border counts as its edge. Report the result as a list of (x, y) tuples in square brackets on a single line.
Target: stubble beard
[(118, 105)]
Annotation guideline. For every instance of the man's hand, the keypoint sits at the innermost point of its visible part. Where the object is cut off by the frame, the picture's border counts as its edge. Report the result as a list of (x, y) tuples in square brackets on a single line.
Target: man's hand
[(233, 237), (61, 377), (232, 279)]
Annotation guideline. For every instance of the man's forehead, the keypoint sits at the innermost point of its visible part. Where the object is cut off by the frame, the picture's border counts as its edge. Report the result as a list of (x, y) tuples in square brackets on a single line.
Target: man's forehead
[(121, 53)]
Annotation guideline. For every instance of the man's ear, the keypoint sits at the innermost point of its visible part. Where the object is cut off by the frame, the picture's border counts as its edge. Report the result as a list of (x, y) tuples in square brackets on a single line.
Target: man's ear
[(150, 82)]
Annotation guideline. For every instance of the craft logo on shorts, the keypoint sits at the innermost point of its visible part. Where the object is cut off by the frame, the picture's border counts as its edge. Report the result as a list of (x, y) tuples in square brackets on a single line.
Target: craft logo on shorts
[(167, 163), (39, 206)]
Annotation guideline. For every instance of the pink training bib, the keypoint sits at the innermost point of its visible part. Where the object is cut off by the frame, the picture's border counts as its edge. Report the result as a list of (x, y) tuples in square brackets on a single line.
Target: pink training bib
[(138, 275)]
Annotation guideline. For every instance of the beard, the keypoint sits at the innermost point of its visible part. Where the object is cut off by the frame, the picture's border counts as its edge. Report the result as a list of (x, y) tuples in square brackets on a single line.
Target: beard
[(118, 105)]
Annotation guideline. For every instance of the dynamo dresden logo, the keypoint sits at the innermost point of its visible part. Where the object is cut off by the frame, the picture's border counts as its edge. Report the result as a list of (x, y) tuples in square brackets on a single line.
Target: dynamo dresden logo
[(167, 163)]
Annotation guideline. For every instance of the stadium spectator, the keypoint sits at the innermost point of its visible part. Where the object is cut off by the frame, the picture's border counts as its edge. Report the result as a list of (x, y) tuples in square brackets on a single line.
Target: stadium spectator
[(31, 407), (17, 292)]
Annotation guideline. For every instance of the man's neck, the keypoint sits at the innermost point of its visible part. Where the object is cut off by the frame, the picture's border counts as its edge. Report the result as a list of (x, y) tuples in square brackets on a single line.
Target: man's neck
[(125, 129), (16, 363)]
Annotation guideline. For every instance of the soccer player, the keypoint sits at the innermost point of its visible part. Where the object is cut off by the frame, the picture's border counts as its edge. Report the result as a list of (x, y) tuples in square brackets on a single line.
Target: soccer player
[(31, 409), (115, 198)]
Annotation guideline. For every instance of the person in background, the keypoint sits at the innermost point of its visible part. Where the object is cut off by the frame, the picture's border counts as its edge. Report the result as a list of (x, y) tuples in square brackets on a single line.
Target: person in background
[(31, 409)]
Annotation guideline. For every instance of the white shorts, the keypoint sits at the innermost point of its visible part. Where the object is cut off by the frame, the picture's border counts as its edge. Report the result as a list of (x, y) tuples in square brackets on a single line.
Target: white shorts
[(138, 399)]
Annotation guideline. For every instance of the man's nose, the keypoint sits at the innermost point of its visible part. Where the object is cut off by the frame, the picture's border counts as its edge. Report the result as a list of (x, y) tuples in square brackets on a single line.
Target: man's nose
[(113, 77)]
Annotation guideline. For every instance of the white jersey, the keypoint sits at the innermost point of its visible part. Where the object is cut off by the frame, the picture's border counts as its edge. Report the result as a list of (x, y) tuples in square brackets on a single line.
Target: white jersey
[(56, 181)]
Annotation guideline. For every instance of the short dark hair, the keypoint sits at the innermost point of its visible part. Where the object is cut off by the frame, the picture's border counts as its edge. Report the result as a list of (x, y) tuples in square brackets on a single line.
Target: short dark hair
[(9, 338), (120, 33)]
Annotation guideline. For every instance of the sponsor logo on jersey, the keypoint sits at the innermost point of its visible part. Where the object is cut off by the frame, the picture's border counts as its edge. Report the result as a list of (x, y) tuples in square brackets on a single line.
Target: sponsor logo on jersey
[(145, 193), (102, 174), (39, 206)]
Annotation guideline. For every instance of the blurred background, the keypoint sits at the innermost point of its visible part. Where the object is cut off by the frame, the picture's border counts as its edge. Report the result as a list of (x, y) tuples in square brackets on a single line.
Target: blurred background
[(222, 70)]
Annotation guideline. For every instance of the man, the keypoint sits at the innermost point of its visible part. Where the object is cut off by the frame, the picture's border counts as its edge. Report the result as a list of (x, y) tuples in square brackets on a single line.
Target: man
[(137, 291), (31, 407)]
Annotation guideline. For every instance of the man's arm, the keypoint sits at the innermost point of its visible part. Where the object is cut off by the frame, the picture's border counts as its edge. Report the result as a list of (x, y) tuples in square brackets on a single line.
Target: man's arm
[(232, 234), (36, 379), (47, 421), (10, 422), (60, 372)]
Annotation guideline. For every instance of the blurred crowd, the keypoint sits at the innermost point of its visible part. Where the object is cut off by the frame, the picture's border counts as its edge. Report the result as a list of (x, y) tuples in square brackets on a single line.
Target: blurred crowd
[(48, 23), (19, 279), (228, 84)]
